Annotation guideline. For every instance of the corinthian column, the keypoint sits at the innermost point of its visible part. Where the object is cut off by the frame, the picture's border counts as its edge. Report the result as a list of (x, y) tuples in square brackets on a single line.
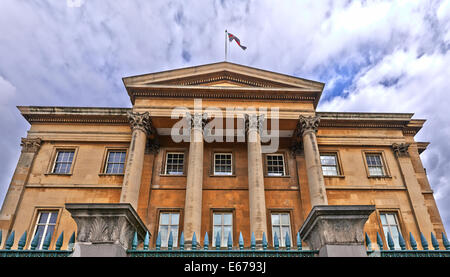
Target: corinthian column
[(141, 127), (308, 128), (258, 221), (30, 147), (194, 185)]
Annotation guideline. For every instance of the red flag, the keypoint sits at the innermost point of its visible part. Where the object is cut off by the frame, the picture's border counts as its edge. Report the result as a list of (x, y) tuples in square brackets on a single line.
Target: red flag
[(231, 37)]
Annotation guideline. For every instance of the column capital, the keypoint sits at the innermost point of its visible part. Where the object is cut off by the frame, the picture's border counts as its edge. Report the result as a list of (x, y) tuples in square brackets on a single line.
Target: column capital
[(197, 120), (254, 122), (30, 145), (140, 121), (308, 124), (400, 149)]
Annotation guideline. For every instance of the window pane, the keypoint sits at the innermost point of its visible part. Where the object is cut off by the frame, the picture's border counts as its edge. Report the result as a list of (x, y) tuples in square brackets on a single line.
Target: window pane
[(164, 219), (217, 219), (383, 219), (285, 219), (43, 218), (163, 229), (53, 218), (227, 218), (275, 219), (391, 219), (175, 218)]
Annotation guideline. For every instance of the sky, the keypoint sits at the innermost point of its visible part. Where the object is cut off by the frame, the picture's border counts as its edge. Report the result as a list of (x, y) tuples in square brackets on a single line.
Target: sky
[(373, 56)]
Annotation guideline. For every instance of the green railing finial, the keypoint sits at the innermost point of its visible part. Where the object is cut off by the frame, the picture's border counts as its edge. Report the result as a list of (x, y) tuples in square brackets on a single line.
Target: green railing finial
[(135, 241), (206, 242), (241, 241), (264, 241), (71, 242), (412, 241), (182, 241), (1, 235), (22, 241), (423, 241), (59, 241), (218, 241), (146, 240), (47, 240), (170, 241), (445, 241), (299, 242), (288, 241), (34, 242), (368, 243), (276, 243), (390, 241), (158, 241), (434, 242), (401, 241), (10, 241), (253, 242), (194, 242), (379, 241), (230, 242)]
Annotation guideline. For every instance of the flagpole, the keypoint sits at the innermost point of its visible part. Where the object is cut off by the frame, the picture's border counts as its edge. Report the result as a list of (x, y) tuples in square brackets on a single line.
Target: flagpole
[(226, 45)]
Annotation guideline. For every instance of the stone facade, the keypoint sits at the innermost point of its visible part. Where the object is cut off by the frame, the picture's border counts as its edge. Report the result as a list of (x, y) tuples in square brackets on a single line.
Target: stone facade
[(249, 192)]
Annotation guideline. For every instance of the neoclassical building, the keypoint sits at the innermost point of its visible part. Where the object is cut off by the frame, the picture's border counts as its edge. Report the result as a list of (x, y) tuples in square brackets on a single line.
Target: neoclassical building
[(224, 149)]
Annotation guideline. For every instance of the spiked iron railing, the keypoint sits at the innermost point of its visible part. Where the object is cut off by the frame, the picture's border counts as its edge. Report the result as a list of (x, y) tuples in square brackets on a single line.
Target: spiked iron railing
[(392, 251), (217, 250), (32, 251)]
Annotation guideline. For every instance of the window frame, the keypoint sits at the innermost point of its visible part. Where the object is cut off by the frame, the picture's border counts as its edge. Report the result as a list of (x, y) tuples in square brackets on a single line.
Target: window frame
[(233, 226), (400, 226), (108, 150), (34, 224), (386, 172), (339, 169), (281, 239), (285, 165), (54, 156), (165, 162), (214, 163), (158, 225)]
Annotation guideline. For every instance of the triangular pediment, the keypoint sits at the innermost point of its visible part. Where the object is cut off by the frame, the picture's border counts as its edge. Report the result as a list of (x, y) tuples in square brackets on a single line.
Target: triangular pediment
[(223, 74)]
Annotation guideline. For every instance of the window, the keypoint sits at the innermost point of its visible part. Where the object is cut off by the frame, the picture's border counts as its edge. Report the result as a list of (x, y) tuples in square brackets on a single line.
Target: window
[(45, 225), (115, 162), (63, 161), (329, 165), (375, 165), (390, 224), (223, 225), (223, 164), (175, 163), (168, 222), (275, 165), (280, 226)]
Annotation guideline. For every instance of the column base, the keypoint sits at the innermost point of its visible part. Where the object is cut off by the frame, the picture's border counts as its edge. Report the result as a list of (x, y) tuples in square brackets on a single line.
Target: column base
[(98, 250), (337, 230)]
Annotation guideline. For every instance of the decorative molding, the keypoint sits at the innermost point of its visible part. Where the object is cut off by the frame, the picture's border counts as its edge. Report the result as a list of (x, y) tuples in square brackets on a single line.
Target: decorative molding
[(400, 150), (30, 145), (141, 121), (307, 124)]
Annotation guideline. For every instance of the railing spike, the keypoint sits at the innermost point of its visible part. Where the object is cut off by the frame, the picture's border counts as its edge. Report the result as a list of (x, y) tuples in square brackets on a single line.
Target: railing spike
[(299, 242), (135, 241), (170, 241), (412, 241), (22, 241), (47, 240), (230, 242), (390, 241), (218, 242), (434, 242), (445, 242), (182, 241), (401, 241), (276, 243), (206, 242), (34, 242), (241, 241), (423, 241), (146, 240), (253, 242), (158, 241), (379, 241), (59, 241), (288, 241), (194, 242), (71, 242), (368, 242), (1, 235), (10, 241), (264, 241)]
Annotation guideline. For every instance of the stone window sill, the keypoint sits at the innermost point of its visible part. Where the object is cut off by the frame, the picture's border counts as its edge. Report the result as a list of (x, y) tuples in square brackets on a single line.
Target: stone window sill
[(58, 174), (111, 174), (379, 177), (334, 176), (271, 176), (172, 175)]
